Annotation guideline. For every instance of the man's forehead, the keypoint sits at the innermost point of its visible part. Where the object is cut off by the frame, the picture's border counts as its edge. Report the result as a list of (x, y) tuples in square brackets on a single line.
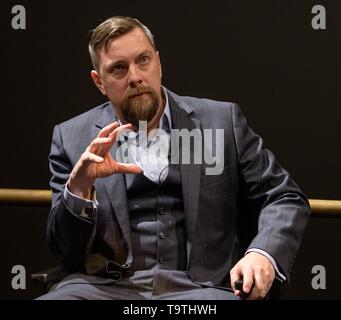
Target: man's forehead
[(129, 44)]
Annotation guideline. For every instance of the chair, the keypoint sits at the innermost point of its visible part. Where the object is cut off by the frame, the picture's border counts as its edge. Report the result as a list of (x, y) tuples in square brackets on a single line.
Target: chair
[(50, 276)]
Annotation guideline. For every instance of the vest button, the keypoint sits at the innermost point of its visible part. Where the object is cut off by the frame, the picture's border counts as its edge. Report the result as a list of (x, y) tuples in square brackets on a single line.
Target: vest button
[(162, 211), (162, 235)]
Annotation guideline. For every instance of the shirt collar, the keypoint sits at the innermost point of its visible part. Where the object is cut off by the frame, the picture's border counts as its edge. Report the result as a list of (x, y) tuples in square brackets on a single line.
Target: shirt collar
[(166, 112)]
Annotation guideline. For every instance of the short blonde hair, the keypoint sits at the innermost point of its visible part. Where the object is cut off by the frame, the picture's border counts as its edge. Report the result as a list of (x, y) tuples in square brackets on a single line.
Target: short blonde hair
[(111, 28)]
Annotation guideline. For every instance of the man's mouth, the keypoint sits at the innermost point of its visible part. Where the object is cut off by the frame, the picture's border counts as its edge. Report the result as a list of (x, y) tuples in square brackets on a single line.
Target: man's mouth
[(138, 95)]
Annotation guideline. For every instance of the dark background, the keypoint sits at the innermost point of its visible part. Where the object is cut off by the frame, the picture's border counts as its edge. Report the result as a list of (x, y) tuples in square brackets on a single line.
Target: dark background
[(264, 55)]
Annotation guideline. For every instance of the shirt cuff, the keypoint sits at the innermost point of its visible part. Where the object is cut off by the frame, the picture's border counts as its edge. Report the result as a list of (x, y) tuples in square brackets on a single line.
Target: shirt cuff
[(279, 275), (81, 207)]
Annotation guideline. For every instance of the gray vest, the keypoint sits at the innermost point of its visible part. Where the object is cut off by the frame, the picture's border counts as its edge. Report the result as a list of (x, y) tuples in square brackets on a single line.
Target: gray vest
[(157, 222)]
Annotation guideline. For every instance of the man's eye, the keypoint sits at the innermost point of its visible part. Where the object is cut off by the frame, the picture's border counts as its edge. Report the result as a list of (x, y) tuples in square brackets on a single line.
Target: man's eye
[(144, 60), (119, 69)]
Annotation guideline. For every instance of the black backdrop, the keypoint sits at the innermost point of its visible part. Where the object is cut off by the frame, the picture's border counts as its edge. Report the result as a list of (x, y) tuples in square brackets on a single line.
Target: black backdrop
[(264, 55)]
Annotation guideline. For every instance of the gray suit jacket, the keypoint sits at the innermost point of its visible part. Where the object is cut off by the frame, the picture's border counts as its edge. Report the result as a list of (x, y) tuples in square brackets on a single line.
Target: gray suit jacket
[(253, 203)]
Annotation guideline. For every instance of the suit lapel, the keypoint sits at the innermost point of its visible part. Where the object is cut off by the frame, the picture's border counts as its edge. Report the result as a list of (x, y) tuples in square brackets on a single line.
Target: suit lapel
[(183, 117), (115, 187)]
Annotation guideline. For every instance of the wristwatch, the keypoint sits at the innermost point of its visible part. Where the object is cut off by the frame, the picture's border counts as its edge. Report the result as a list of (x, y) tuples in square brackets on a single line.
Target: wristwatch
[(90, 211)]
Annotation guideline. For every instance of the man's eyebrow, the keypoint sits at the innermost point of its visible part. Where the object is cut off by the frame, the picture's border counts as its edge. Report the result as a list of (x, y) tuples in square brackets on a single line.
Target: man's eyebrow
[(144, 52), (113, 63)]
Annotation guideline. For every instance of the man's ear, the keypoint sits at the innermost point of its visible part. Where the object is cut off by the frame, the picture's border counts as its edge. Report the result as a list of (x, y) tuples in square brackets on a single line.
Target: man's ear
[(159, 61), (97, 80)]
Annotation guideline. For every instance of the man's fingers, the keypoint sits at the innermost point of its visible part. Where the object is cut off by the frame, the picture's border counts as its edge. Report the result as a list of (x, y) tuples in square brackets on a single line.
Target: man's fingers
[(97, 143), (255, 293), (243, 274), (105, 132), (119, 130), (257, 274), (91, 157), (248, 280), (106, 137), (127, 168), (95, 158), (236, 274), (261, 285)]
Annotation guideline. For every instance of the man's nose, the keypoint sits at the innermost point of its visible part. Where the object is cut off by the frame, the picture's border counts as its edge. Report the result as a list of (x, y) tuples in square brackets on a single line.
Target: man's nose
[(134, 75)]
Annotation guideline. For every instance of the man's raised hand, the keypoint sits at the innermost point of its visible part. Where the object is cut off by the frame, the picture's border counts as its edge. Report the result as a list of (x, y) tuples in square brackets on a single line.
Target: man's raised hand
[(97, 162)]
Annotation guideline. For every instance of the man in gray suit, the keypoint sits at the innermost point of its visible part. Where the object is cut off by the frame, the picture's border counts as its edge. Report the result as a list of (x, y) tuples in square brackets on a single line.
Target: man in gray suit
[(167, 229)]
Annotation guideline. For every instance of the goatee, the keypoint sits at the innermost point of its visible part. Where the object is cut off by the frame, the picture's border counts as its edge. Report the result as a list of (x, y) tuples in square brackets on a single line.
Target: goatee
[(140, 104)]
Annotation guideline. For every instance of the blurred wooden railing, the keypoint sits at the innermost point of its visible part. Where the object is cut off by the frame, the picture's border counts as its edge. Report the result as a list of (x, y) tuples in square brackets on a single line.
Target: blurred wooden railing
[(29, 197), (325, 208), (26, 197)]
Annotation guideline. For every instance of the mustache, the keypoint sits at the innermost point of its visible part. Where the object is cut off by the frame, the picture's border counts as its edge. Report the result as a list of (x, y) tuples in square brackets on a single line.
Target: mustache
[(137, 91)]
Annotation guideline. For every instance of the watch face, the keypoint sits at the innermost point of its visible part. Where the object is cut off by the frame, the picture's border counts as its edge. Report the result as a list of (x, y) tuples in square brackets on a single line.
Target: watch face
[(90, 212)]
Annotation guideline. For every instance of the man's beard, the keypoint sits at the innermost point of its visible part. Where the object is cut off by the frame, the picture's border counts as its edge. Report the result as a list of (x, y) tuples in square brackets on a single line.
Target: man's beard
[(140, 104)]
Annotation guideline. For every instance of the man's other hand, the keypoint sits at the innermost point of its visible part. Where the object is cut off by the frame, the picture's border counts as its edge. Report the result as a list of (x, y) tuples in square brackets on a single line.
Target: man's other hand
[(257, 273)]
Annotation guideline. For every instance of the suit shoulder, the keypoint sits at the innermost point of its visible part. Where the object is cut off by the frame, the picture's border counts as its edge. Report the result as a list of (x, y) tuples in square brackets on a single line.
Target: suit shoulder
[(204, 106), (203, 103), (87, 117)]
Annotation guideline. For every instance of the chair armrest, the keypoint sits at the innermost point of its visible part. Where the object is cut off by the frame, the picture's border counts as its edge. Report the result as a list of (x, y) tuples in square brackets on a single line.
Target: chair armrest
[(50, 276)]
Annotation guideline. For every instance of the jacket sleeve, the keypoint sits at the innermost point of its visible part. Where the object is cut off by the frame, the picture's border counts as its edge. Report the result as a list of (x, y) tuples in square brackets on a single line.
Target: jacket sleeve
[(68, 234), (282, 209)]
